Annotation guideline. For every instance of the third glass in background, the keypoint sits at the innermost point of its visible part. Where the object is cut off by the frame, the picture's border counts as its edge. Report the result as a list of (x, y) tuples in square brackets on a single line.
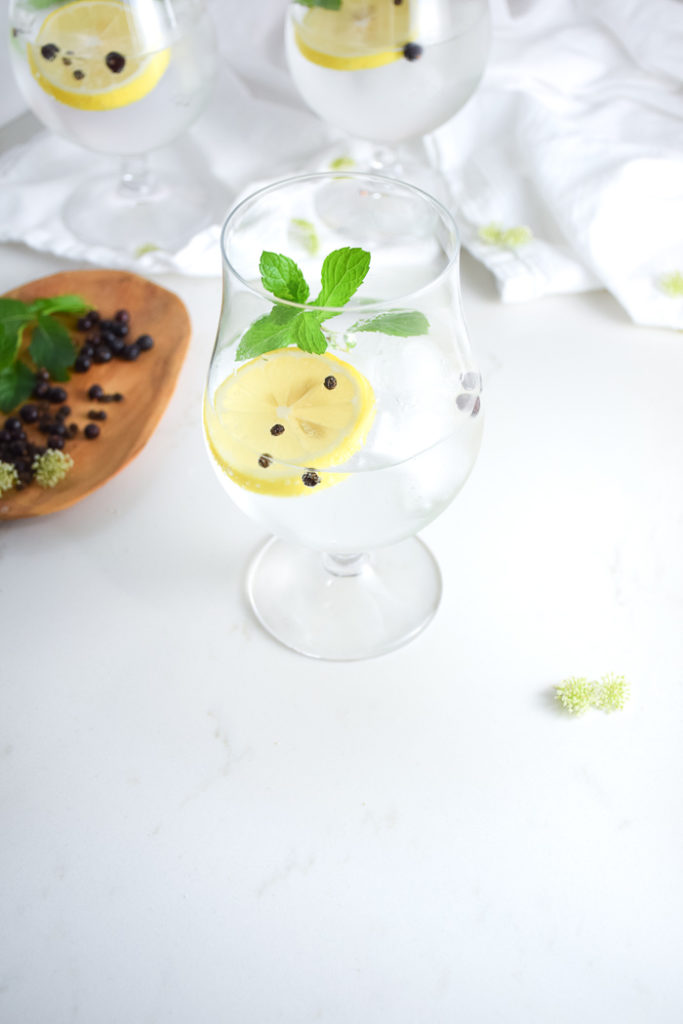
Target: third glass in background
[(388, 72)]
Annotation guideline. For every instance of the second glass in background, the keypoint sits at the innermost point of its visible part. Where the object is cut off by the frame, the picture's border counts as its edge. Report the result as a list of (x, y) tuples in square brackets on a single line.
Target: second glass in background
[(389, 72), (121, 79)]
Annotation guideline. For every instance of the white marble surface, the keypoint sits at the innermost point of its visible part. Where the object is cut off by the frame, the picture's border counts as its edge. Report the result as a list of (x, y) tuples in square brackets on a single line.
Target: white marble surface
[(200, 826)]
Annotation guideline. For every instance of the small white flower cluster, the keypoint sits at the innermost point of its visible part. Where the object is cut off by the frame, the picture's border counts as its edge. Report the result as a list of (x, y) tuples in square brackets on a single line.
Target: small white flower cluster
[(612, 693), (577, 694), (51, 467), (8, 477)]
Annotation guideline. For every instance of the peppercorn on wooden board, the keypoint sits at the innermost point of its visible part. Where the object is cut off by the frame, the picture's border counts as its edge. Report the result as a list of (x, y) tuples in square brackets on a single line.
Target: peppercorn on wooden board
[(146, 383)]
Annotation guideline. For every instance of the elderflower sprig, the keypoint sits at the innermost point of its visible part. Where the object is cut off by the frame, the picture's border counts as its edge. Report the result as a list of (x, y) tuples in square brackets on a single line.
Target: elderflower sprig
[(612, 693), (576, 694), (672, 284), (51, 467), (8, 477), (507, 238)]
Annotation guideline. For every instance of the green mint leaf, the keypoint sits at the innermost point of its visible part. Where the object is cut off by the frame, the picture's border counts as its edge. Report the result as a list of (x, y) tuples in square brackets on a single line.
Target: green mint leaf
[(281, 276), (268, 332), (14, 315), (306, 333), (9, 346), (52, 348), (16, 384), (342, 274), (73, 304), (328, 5), (401, 323)]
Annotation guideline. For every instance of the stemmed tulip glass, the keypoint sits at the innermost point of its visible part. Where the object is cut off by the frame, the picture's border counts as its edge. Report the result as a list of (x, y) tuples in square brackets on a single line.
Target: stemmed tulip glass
[(388, 71), (342, 409), (120, 78)]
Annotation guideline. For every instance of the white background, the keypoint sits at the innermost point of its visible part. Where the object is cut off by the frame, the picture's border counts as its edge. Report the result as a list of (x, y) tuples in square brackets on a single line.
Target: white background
[(200, 826)]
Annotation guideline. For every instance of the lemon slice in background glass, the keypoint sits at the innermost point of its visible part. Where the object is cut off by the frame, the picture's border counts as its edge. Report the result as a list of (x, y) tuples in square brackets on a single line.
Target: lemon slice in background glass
[(91, 55), (361, 34), (285, 415)]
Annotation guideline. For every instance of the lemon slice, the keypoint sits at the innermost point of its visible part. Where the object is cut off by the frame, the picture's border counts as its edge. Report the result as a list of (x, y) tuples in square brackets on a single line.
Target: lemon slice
[(90, 54), (361, 34), (283, 417)]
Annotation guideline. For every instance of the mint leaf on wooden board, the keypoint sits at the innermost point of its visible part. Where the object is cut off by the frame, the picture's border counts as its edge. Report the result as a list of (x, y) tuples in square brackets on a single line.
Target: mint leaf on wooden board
[(72, 304), (282, 277), (401, 323), (16, 384), (52, 348), (9, 346), (14, 315)]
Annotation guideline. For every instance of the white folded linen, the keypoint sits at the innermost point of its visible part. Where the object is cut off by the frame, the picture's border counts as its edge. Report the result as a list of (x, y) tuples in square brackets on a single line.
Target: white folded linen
[(565, 170)]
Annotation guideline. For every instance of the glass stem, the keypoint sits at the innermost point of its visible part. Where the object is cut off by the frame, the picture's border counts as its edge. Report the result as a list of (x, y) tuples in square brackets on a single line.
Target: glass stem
[(344, 565), (136, 181), (384, 160)]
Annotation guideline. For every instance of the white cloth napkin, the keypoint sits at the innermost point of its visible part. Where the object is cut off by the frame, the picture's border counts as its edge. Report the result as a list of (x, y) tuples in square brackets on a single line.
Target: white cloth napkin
[(565, 169)]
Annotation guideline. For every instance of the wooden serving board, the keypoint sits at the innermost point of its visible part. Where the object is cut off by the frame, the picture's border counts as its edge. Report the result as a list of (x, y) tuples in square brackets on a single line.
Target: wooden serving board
[(146, 384)]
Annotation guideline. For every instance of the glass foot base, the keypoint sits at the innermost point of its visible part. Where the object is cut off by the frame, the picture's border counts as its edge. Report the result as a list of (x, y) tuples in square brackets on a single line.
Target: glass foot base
[(166, 216), (344, 607)]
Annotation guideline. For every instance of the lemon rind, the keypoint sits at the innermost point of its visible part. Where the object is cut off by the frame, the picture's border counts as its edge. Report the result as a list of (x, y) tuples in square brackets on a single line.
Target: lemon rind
[(114, 97), (292, 485)]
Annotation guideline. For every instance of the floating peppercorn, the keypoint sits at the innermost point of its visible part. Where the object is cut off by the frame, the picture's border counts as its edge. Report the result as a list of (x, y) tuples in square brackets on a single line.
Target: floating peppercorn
[(276, 429), (49, 51), (310, 478), (116, 62), (265, 461), (411, 51), (330, 382)]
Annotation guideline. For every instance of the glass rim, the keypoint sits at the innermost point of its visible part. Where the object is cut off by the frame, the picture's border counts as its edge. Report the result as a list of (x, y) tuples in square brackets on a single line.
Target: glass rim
[(349, 307)]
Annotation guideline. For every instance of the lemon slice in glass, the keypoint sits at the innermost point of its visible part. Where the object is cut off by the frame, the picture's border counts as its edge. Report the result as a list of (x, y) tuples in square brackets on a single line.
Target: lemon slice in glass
[(361, 34), (90, 55), (285, 416)]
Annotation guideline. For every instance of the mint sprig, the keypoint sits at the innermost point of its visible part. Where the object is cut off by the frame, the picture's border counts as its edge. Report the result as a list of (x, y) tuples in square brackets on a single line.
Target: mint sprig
[(50, 347), (343, 272)]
